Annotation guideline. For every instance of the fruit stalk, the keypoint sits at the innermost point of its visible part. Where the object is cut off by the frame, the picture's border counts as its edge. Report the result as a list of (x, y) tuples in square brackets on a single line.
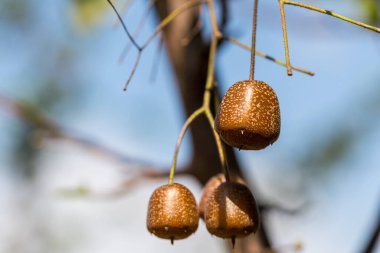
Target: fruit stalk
[(216, 35), (185, 126), (219, 145), (253, 47)]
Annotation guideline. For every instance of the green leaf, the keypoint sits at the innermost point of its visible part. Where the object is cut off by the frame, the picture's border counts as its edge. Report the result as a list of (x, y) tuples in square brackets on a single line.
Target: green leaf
[(87, 14), (372, 10)]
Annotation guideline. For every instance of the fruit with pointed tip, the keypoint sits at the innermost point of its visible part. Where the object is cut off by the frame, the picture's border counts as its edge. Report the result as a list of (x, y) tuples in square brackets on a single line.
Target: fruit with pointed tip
[(249, 116), (172, 212), (231, 211), (211, 185)]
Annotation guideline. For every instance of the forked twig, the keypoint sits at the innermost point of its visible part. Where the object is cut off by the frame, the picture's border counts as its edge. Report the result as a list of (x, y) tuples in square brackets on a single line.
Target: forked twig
[(124, 10), (186, 6), (137, 31), (124, 26)]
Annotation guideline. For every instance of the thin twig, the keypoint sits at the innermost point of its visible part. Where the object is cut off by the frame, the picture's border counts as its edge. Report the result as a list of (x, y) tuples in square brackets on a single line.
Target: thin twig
[(124, 26), (139, 49), (158, 29), (138, 30), (133, 70), (285, 35), (268, 57), (124, 10), (171, 16), (333, 14)]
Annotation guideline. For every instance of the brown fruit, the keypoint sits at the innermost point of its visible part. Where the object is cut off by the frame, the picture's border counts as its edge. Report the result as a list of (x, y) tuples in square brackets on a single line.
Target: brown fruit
[(211, 185), (249, 115), (172, 212), (231, 211)]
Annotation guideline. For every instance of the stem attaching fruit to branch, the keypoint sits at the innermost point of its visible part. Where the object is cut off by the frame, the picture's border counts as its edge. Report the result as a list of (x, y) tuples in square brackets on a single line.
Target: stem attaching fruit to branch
[(185, 126), (253, 47), (219, 145)]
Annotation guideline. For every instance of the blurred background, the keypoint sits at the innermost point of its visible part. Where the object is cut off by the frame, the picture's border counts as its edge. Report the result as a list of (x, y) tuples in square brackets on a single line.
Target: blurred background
[(72, 141)]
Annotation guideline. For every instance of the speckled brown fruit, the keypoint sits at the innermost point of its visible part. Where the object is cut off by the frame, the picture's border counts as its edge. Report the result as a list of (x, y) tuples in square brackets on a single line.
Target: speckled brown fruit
[(231, 211), (211, 185), (172, 212), (249, 115)]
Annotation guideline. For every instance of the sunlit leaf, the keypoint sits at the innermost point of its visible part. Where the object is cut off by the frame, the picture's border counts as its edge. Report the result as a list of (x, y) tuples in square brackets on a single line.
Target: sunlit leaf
[(88, 13), (372, 10)]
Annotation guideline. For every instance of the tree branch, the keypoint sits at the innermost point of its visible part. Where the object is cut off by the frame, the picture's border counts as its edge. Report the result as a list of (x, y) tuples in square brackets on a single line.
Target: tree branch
[(268, 57), (370, 246), (333, 14), (53, 130)]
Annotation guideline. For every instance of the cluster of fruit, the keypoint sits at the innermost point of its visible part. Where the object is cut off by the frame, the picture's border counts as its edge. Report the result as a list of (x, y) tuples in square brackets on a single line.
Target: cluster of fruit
[(228, 209), (248, 118)]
